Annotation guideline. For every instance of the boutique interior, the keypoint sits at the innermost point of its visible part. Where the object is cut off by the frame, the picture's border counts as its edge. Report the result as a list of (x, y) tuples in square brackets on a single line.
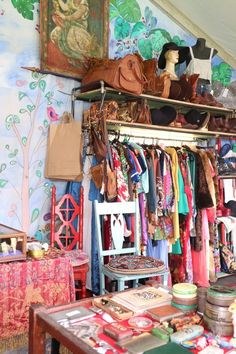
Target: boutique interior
[(118, 177)]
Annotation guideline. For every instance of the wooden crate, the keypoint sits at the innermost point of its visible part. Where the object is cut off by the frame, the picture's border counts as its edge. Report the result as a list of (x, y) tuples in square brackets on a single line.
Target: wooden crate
[(12, 244)]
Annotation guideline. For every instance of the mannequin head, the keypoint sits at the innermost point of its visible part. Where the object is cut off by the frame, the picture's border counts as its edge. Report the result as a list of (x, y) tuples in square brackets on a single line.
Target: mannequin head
[(172, 53), (172, 56)]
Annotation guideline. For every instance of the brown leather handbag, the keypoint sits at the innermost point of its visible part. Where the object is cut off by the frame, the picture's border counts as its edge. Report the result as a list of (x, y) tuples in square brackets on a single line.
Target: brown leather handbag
[(122, 74), (155, 85), (140, 112)]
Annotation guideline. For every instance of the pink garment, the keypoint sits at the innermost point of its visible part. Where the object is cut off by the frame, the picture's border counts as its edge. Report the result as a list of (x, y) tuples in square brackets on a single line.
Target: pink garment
[(122, 188), (200, 259)]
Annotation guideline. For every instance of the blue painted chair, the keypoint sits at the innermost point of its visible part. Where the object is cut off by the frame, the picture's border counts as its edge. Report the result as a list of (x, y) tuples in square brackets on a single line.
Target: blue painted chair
[(115, 210)]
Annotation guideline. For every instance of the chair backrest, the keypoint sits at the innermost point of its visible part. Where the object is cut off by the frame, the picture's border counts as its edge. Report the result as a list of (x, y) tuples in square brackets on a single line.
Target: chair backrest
[(116, 210), (67, 221)]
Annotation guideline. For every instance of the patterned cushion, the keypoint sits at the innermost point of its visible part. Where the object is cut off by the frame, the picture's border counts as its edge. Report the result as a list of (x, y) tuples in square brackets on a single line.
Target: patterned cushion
[(133, 264), (77, 257)]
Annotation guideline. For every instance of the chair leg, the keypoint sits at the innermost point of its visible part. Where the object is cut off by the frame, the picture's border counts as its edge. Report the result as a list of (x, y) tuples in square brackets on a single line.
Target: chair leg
[(121, 285), (165, 279), (83, 289), (102, 284)]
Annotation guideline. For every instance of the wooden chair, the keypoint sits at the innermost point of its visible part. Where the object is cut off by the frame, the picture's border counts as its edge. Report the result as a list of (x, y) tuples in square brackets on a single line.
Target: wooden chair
[(117, 249), (67, 234)]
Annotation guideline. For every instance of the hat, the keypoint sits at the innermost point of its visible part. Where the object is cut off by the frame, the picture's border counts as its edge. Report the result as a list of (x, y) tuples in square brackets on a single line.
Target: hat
[(183, 51), (163, 116), (195, 117)]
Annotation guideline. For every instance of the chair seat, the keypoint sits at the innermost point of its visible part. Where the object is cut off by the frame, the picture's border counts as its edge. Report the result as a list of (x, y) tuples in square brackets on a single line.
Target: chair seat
[(77, 257), (135, 264), (118, 276)]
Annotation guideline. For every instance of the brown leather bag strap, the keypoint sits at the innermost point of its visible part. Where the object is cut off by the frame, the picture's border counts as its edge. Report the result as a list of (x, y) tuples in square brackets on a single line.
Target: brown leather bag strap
[(104, 131)]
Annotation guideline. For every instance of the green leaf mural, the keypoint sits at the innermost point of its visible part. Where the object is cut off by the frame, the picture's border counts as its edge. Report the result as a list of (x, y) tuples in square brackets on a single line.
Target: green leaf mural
[(129, 10), (31, 107), (122, 28), (33, 85), (21, 95), (35, 215), (138, 29), (25, 7), (38, 173), (22, 110), (223, 73), (3, 182), (113, 12), (3, 167), (158, 38), (24, 140), (42, 85), (145, 48), (178, 41)]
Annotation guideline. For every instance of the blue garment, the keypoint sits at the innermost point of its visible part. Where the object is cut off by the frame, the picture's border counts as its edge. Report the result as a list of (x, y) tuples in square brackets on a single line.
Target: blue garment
[(160, 251), (73, 188), (151, 195)]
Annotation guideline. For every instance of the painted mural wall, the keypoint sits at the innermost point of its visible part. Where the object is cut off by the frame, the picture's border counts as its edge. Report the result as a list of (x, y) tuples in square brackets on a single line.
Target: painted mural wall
[(29, 102), (139, 26)]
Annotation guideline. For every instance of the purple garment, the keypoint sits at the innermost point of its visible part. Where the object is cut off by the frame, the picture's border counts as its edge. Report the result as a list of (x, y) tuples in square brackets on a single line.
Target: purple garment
[(144, 234)]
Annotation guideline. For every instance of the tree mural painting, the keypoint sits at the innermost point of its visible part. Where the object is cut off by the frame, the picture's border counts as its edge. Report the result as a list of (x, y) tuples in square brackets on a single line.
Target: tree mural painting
[(137, 32), (31, 101)]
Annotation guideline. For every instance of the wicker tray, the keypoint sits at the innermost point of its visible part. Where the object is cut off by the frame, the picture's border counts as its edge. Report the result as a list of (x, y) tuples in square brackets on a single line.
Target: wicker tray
[(112, 307)]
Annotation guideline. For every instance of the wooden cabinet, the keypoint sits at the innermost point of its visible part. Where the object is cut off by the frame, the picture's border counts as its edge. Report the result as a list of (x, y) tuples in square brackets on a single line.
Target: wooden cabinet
[(12, 244)]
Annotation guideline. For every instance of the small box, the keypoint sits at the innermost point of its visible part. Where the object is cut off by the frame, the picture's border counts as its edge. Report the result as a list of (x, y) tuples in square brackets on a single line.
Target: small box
[(117, 311), (12, 244), (117, 331)]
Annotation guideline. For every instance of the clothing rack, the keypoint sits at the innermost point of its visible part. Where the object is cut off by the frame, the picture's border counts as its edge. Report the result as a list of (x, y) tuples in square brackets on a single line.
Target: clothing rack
[(153, 139)]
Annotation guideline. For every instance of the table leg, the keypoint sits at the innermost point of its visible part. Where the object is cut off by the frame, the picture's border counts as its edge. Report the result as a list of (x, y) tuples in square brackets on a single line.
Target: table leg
[(36, 333)]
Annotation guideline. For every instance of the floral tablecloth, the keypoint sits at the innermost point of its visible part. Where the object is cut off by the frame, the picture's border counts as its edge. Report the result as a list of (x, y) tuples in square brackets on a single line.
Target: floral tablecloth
[(49, 281)]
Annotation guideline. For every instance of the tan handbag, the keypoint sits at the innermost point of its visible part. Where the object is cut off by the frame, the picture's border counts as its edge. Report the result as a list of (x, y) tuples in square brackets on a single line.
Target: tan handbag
[(63, 158), (122, 74)]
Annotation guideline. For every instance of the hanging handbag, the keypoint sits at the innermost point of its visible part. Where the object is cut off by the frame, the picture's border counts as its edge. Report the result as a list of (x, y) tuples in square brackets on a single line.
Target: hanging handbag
[(64, 146), (122, 74), (110, 183), (99, 146)]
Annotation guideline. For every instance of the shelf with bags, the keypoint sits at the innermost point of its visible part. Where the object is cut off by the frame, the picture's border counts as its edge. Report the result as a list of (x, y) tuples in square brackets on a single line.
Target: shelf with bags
[(153, 101)]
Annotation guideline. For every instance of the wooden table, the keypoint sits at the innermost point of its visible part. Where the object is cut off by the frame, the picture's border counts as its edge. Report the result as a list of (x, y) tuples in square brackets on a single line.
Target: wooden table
[(48, 281), (41, 324)]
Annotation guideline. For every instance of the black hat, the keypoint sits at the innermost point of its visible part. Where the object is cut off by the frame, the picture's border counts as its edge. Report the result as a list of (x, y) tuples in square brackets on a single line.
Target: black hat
[(195, 117), (183, 51), (163, 116)]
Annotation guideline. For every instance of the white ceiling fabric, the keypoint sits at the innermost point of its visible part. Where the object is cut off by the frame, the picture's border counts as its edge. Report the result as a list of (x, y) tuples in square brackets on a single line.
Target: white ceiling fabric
[(214, 20)]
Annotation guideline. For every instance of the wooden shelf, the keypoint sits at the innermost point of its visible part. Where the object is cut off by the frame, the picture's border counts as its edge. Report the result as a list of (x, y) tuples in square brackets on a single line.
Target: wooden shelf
[(118, 125), (154, 101)]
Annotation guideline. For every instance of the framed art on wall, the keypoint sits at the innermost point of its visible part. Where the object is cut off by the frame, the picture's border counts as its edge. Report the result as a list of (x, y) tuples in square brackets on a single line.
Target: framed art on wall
[(71, 31)]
